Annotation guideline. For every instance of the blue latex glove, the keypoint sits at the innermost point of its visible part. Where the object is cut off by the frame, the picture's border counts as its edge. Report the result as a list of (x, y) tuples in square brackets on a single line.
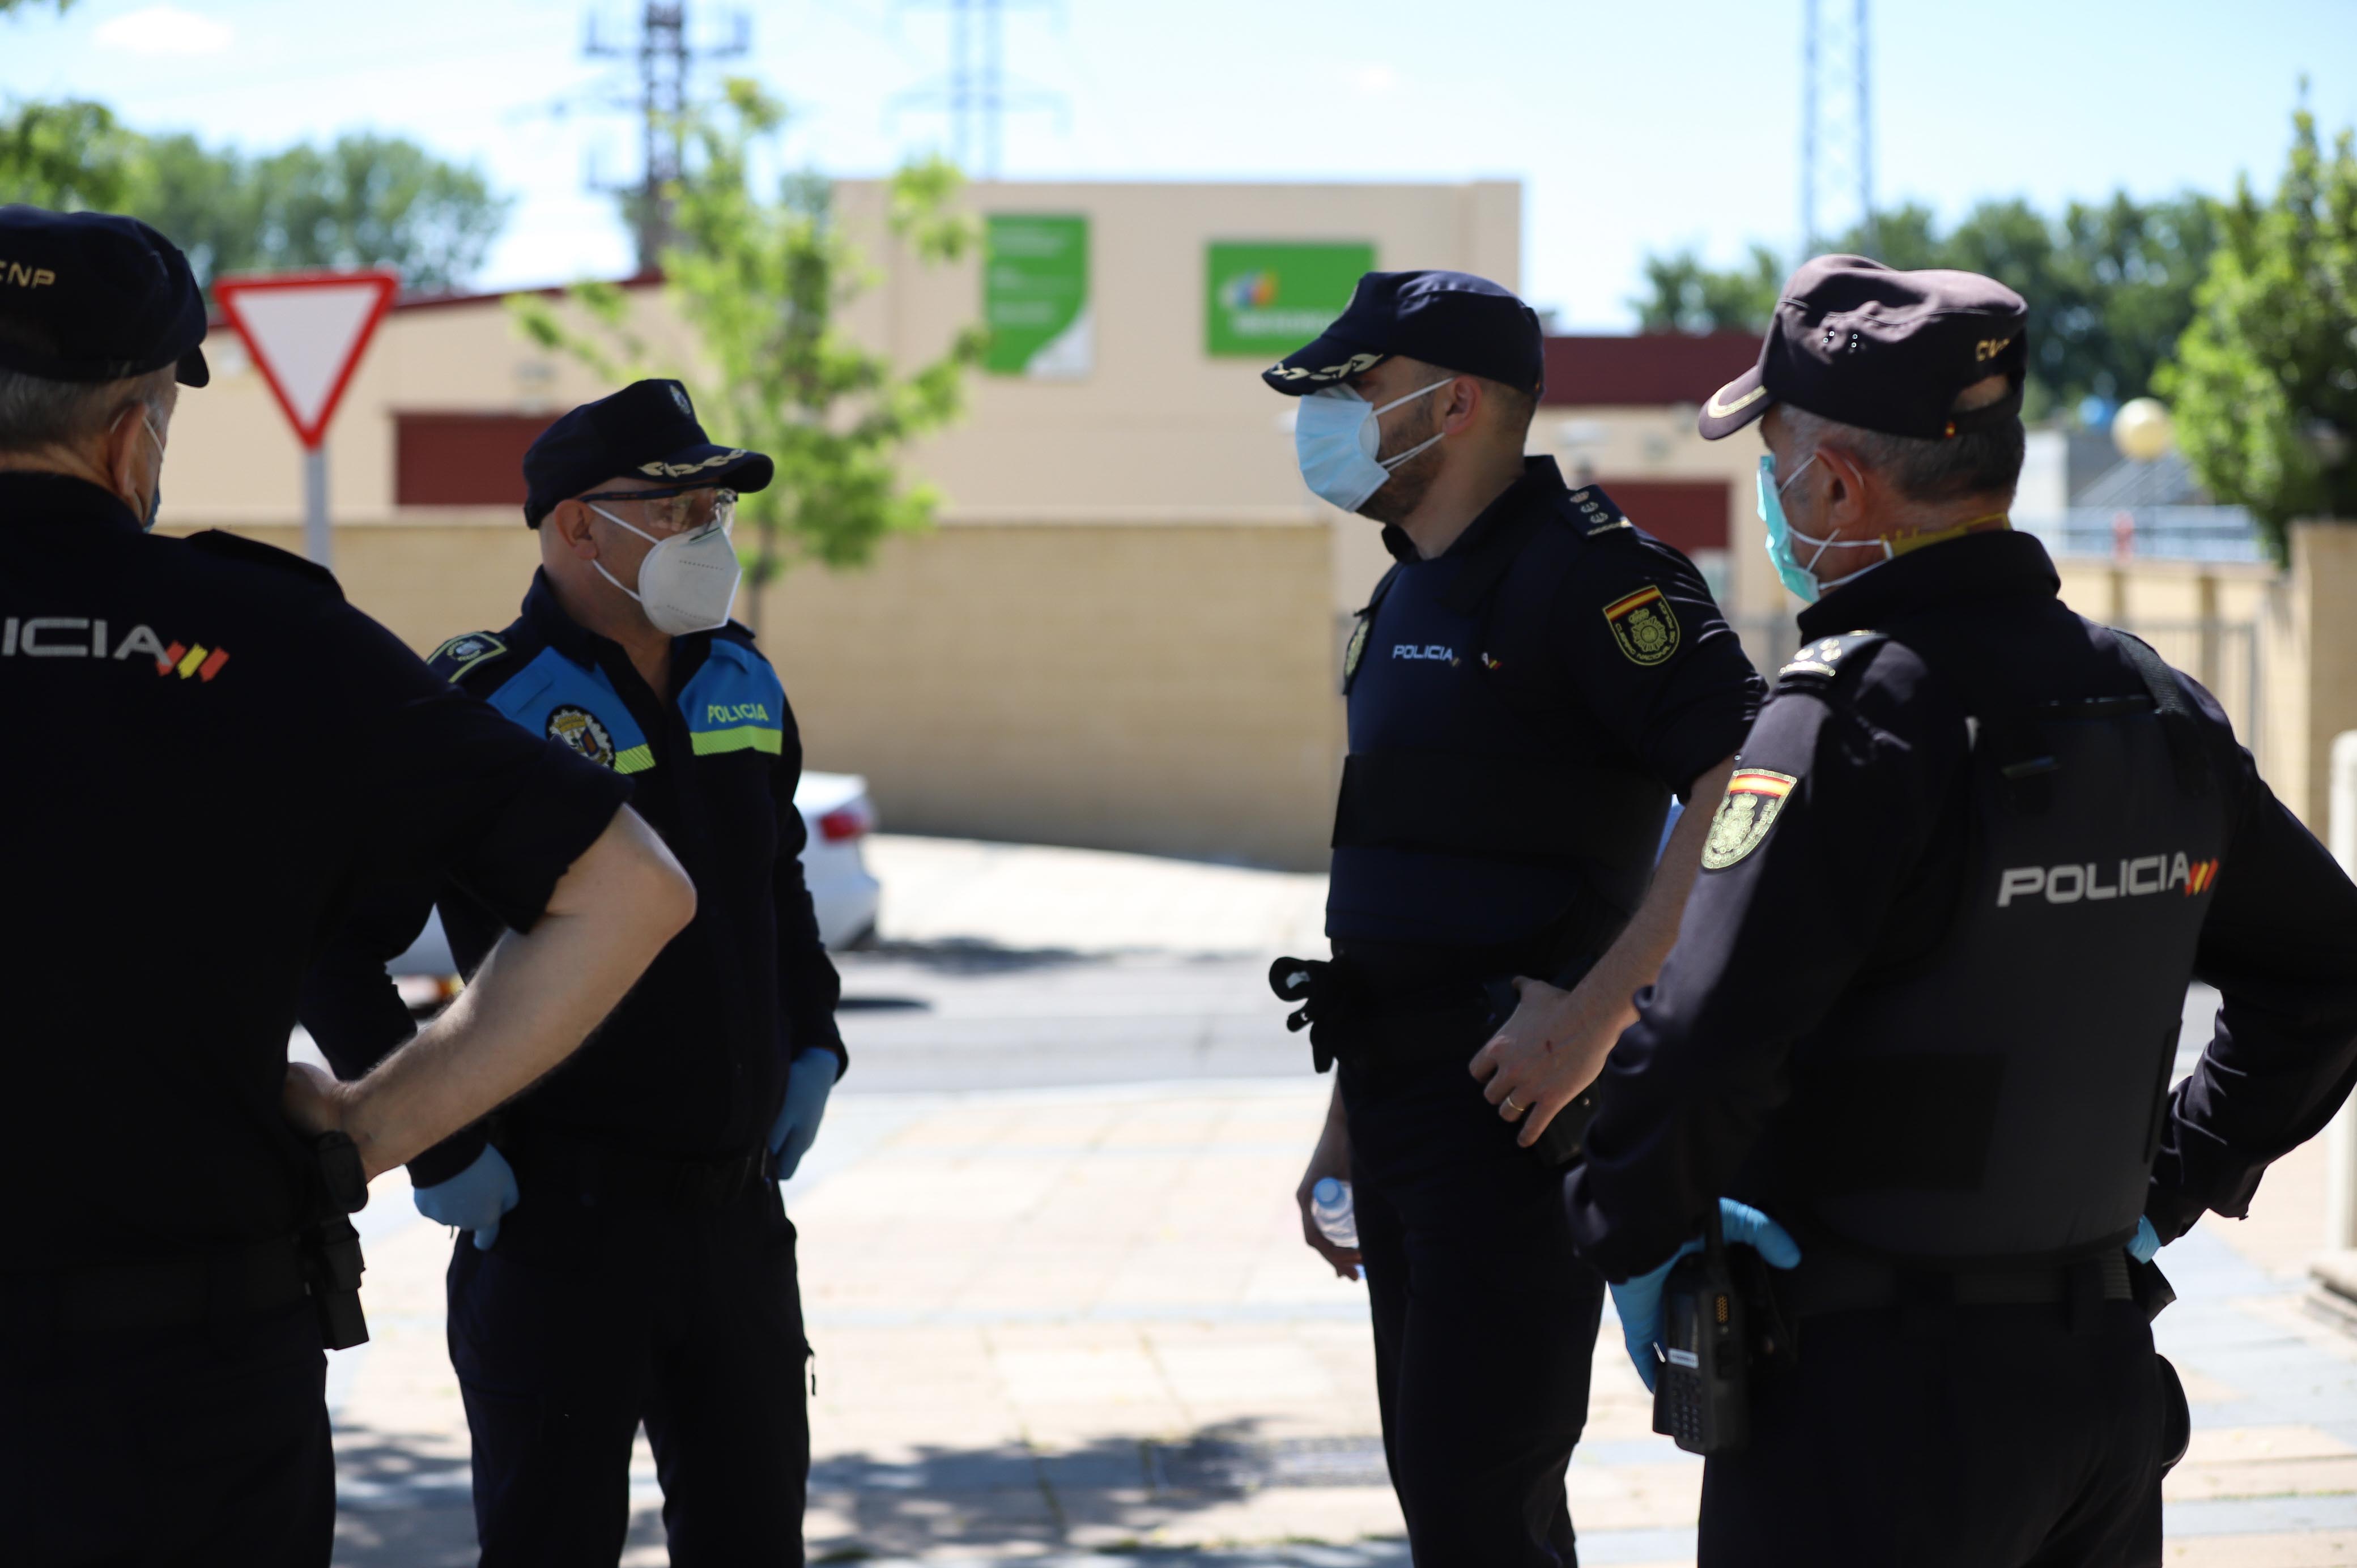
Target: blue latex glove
[(2146, 1243), (808, 1083), (475, 1199), (1638, 1302)]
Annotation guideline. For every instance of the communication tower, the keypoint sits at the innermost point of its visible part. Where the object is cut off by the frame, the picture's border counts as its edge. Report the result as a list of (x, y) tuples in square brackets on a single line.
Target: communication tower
[(1837, 122), (974, 92), (667, 59)]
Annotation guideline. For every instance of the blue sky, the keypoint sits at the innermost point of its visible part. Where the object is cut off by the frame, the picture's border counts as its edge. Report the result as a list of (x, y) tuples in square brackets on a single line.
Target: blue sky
[(1633, 127)]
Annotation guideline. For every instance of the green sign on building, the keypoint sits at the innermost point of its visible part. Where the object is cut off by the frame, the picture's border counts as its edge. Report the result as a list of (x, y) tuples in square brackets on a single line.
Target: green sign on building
[(1263, 300), (1035, 295)]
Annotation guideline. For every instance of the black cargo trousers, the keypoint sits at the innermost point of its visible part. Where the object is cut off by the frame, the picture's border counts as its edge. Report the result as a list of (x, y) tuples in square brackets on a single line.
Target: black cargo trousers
[(605, 1305), (1485, 1320)]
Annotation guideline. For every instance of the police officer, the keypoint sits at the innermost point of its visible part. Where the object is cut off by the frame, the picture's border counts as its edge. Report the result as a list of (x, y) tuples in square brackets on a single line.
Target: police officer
[(1922, 1013), (214, 756), (628, 1259), (1534, 679)]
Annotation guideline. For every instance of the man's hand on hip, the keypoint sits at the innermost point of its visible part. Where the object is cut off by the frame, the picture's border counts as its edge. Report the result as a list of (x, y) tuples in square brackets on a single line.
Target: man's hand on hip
[(1553, 1047)]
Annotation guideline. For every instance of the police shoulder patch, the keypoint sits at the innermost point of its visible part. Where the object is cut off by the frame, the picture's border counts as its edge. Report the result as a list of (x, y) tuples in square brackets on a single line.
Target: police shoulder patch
[(1754, 797), (581, 730), (1644, 624), (1819, 662), (454, 658)]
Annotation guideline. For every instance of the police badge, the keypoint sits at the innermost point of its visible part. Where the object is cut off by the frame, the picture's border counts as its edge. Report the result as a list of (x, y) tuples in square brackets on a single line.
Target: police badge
[(1356, 651), (579, 728), (1754, 797), (1644, 626)]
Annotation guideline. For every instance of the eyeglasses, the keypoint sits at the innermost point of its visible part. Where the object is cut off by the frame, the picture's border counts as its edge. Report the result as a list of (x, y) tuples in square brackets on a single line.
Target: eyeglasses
[(679, 510)]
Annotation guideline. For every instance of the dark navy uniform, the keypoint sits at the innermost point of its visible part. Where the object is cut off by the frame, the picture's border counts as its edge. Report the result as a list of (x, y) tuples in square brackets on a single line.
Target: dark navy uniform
[(1521, 709), (217, 758), (1922, 1011), (647, 1272)]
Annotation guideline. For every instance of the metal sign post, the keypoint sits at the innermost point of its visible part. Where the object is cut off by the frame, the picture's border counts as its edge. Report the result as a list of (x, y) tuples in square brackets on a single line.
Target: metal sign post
[(307, 332)]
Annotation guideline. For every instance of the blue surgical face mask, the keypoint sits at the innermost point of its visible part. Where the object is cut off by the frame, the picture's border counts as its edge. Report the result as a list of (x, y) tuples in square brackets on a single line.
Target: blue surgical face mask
[(1336, 436), (1801, 580)]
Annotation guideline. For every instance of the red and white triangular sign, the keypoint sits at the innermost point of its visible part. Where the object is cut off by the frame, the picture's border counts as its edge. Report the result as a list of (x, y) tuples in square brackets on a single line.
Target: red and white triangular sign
[(305, 331)]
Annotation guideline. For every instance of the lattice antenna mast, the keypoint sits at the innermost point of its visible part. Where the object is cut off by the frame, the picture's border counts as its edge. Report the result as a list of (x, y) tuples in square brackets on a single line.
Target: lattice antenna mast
[(1836, 121), (667, 59), (974, 92)]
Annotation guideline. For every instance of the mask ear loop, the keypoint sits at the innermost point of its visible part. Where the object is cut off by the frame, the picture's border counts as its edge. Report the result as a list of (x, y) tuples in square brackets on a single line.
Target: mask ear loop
[(1393, 462), (599, 566)]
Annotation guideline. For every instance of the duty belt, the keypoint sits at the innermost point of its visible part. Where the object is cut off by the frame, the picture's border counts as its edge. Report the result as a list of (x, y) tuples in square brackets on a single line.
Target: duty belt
[(601, 1170), (231, 1283), (1828, 1281)]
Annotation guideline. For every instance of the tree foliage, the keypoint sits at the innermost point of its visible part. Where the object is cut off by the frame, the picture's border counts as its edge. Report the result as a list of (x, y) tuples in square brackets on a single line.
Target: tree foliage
[(2265, 384), (2109, 285), (361, 201), (764, 282)]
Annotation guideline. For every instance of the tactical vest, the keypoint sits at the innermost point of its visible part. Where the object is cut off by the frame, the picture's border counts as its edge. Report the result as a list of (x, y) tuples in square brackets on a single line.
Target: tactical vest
[(1466, 820), (2002, 1103)]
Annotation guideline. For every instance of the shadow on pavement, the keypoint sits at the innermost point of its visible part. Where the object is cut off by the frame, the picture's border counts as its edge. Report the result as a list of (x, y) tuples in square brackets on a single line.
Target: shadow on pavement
[(399, 1509), (969, 955), (1114, 1495)]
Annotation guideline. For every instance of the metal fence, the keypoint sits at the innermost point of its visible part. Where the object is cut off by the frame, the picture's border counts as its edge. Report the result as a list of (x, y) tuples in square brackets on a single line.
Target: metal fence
[(2223, 655), (2169, 533)]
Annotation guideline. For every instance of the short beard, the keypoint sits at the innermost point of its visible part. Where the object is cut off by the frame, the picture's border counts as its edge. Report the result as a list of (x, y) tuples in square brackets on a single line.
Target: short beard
[(1397, 497)]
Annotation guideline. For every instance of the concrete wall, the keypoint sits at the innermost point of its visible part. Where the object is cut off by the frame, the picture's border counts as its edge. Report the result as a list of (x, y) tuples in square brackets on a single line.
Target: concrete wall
[(1151, 688)]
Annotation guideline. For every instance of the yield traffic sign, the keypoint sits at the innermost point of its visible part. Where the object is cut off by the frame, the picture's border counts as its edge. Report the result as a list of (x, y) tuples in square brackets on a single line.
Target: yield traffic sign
[(305, 332)]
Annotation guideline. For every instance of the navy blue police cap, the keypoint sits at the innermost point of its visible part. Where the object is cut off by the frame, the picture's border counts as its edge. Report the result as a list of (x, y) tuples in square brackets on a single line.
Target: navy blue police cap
[(90, 298), (1454, 320), (646, 431), (1860, 343)]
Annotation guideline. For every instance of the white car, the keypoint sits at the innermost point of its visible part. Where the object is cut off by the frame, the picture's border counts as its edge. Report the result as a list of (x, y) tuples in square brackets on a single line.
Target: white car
[(836, 815)]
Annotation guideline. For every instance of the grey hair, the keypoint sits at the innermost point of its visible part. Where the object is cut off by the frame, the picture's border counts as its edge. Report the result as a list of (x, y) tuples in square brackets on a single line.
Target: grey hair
[(37, 412), (1974, 463)]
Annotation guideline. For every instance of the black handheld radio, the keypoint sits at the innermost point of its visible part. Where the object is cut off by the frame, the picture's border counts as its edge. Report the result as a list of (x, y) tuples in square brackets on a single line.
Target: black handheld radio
[(1699, 1383)]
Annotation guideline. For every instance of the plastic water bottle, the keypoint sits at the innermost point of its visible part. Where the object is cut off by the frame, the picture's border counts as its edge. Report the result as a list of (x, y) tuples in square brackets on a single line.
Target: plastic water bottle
[(1330, 1210)]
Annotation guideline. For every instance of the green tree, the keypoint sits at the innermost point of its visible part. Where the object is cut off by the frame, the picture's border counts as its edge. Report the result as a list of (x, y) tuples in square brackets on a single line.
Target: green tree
[(361, 201), (65, 155), (764, 282), (2109, 286), (2265, 382), (1682, 295)]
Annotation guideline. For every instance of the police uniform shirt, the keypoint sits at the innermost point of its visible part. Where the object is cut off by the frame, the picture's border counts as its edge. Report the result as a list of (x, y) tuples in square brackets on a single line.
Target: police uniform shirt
[(1839, 860), (692, 1064), (213, 757), (1629, 666)]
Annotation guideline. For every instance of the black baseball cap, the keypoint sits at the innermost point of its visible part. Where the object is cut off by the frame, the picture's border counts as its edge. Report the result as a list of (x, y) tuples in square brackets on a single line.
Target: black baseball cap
[(646, 431), (1454, 320), (90, 298), (1863, 344)]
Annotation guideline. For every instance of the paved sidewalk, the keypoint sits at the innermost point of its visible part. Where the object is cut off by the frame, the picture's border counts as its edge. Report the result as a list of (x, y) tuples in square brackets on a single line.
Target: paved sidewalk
[(1076, 1325)]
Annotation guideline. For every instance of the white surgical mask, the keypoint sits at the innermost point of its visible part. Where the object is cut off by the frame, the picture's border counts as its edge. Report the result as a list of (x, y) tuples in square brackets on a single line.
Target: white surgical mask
[(687, 582), (154, 496), (1336, 436)]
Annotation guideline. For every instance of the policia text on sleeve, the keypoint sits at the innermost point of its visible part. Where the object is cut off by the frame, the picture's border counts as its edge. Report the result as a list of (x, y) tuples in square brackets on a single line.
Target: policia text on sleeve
[(219, 760), (1533, 680), (1923, 1006)]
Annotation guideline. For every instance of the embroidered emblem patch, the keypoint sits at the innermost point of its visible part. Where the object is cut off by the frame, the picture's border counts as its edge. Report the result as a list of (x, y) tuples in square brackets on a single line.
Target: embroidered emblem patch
[(1754, 797), (1644, 626), (579, 728), (1357, 649)]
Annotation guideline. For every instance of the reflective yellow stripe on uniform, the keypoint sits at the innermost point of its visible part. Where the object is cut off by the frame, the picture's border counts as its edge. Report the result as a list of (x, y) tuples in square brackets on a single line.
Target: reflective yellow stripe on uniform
[(744, 738)]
